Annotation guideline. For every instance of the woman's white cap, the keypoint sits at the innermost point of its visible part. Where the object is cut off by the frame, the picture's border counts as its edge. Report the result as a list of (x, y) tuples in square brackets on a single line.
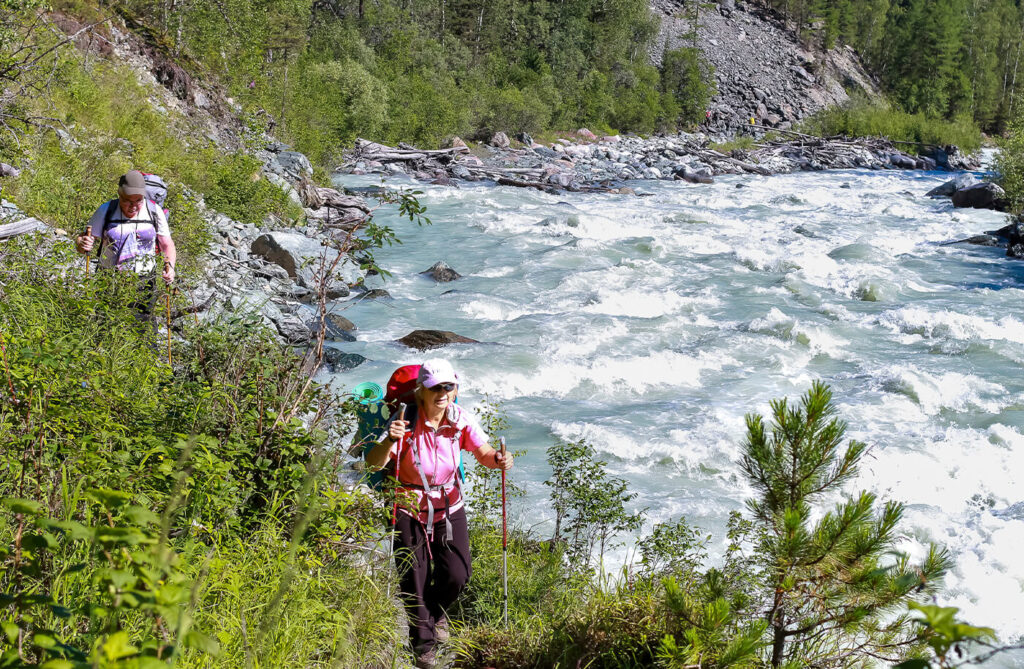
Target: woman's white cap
[(433, 372)]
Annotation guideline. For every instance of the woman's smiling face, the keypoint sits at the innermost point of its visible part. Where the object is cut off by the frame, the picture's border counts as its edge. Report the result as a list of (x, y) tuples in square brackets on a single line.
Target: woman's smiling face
[(439, 396)]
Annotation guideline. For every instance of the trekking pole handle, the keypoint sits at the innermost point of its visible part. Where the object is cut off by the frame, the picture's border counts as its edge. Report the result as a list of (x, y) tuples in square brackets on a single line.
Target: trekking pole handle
[(400, 413), (501, 444)]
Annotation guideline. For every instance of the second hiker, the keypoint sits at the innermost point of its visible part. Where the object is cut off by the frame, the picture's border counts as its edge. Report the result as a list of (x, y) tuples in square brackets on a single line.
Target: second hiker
[(431, 535)]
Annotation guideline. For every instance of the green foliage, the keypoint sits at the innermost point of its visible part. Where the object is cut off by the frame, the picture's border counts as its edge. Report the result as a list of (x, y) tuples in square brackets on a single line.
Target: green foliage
[(131, 601), (1010, 164), (135, 481), (833, 582), (336, 100), (68, 181), (862, 119), (589, 504), (945, 635), (238, 190), (689, 81)]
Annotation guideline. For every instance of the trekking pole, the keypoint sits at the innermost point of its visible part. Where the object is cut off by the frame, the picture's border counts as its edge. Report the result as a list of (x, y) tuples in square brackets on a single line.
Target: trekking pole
[(504, 535), (168, 295), (399, 415), (86, 254)]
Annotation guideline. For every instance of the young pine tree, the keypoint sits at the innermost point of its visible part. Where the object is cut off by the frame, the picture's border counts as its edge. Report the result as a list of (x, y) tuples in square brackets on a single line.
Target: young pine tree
[(836, 588)]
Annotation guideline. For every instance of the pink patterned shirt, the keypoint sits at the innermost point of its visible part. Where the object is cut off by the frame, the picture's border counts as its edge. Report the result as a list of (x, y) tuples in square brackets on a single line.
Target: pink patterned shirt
[(439, 453)]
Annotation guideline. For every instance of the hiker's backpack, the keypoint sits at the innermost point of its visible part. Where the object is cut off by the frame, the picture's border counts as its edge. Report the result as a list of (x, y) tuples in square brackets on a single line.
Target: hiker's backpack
[(156, 189), (375, 411)]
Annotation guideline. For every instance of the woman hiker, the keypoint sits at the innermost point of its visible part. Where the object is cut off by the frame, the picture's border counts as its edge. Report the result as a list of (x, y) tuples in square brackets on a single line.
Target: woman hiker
[(431, 536), (131, 230)]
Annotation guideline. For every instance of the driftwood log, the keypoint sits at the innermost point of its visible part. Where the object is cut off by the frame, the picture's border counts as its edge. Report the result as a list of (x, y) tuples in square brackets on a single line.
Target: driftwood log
[(22, 227)]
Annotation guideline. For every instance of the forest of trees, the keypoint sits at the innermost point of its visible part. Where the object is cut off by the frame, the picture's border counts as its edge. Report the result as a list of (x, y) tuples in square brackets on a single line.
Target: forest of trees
[(422, 70), (945, 58), (325, 71)]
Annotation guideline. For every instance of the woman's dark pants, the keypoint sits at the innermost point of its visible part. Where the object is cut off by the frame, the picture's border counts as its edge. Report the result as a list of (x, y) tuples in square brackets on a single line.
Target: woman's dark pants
[(430, 586)]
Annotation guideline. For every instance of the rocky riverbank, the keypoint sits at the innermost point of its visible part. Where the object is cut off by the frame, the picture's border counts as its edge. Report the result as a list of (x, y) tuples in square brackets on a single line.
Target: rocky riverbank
[(587, 162)]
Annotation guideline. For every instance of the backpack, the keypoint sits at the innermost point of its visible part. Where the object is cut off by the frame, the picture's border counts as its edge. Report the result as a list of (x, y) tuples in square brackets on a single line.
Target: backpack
[(374, 415)]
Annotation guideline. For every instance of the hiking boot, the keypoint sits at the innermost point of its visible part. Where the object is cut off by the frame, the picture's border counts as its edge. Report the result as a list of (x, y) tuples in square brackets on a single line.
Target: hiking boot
[(441, 630), (427, 660)]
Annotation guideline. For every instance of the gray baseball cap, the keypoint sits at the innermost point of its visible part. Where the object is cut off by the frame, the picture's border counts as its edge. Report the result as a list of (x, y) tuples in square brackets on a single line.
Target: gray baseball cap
[(132, 183)]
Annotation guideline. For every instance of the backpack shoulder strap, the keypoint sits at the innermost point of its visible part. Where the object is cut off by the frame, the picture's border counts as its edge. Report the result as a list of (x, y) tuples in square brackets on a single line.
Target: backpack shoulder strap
[(108, 219)]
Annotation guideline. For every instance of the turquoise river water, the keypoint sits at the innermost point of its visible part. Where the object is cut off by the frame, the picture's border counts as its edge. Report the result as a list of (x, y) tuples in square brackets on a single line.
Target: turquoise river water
[(651, 325)]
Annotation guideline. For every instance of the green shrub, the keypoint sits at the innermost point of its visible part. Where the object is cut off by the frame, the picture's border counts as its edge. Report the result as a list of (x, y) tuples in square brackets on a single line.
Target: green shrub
[(335, 102), (1010, 163), (236, 188), (862, 119), (688, 81), (142, 480)]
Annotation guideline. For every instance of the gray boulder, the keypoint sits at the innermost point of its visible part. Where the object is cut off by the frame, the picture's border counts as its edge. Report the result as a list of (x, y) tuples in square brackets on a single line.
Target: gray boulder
[(305, 259), (340, 322), (331, 331), (979, 196), (1015, 245), (8, 170), (423, 340), (500, 140), (700, 175), (341, 361), (376, 294), (294, 165), (441, 272)]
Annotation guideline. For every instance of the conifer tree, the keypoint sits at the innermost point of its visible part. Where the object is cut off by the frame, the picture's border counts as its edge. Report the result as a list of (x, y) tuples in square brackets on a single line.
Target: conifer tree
[(836, 589)]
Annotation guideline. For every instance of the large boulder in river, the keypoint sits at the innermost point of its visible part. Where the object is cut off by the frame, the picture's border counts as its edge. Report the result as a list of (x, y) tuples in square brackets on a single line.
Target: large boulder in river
[(701, 175), (979, 196), (423, 340), (1015, 245), (441, 272)]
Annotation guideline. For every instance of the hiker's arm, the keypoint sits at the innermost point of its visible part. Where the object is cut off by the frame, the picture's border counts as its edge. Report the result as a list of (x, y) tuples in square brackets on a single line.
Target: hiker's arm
[(379, 454), (85, 241), (170, 254), (491, 458)]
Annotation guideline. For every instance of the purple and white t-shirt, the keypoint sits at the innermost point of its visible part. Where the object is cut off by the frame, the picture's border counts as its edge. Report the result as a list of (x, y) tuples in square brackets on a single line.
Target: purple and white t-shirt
[(129, 243)]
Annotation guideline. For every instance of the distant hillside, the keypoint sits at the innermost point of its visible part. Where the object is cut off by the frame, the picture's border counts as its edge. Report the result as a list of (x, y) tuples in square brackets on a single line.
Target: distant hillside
[(761, 69)]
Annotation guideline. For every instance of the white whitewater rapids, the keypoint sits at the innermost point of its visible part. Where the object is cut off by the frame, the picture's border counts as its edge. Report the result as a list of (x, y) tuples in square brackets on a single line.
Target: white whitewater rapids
[(651, 325)]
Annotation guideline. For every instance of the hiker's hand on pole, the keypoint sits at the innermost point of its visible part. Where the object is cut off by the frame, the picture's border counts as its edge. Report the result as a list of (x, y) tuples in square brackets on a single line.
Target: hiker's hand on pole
[(397, 429), (168, 272), (84, 242), (503, 462)]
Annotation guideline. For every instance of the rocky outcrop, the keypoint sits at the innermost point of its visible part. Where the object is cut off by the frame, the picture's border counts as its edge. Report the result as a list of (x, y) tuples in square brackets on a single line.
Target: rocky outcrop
[(423, 340), (441, 272), (981, 196), (305, 260), (762, 72), (966, 191), (1015, 240)]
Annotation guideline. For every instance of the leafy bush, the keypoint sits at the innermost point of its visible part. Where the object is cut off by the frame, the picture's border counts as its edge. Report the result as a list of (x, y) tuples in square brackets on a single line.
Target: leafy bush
[(236, 188), (137, 480), (1010, 164), (862, 119), (688, 81)]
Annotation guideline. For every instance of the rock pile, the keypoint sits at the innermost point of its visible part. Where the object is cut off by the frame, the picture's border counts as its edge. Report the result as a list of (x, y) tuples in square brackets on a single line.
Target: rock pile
[(608, 163), (761, 69)]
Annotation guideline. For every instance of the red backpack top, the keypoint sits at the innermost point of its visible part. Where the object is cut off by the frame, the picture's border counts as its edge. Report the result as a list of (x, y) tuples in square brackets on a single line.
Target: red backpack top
[(401, 386)]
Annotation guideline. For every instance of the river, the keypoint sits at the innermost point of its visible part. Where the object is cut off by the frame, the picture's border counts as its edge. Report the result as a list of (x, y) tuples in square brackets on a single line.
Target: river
[(651, 325)]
